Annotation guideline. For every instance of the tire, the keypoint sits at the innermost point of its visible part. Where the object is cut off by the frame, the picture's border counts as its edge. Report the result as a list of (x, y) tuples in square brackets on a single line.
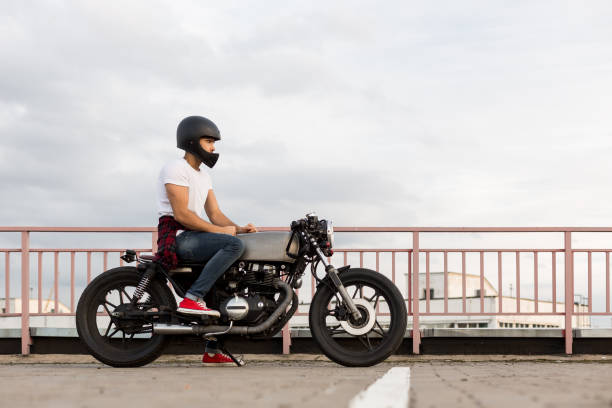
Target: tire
[(345, 350), (132, 352)]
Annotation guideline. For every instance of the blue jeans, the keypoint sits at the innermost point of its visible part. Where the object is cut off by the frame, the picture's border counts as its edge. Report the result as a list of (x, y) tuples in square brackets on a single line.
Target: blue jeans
[(220, 250)]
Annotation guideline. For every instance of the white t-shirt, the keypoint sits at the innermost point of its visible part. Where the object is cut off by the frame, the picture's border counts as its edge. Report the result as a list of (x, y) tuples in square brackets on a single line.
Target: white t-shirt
[(179, 172)]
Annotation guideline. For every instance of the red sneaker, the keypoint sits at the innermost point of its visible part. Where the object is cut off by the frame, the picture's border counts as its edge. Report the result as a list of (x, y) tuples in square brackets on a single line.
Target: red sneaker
[(192, 307), (218, 360)]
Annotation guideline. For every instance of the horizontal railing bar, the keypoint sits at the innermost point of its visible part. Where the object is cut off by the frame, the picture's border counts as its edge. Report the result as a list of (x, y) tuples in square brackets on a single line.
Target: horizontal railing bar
[(37, 314), (493, 250), (591, 250), (472, 229), (53, 314), (490, 314), (338, 229), (78, 229), (403, 250), (420, 314), (592, 314), (45, 314), (77, 250), (335, 250), (372, 250)]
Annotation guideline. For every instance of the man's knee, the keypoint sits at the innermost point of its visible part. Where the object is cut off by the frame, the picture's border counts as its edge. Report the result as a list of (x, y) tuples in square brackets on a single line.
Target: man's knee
[(237, 246)]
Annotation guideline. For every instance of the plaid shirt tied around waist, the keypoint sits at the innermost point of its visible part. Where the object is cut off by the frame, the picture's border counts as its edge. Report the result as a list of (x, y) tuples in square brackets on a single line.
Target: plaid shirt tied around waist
[(166, 241)]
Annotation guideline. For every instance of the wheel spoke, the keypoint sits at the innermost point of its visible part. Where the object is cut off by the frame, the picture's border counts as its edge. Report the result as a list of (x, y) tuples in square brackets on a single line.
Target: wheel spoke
[(335, 330), (357, 287), (366, 342), (106, 308), (381, 334), (382, 331), (110, 324), (113, 333), (373, 296), (126, 294), (121, 293), (376, 304)]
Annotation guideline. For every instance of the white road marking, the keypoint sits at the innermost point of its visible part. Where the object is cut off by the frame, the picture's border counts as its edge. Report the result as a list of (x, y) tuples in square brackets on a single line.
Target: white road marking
[(389, 391)]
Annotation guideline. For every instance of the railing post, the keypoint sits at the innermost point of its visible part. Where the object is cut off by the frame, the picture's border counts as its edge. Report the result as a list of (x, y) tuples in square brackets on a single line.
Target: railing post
[(569, 292), (154, 242), (416, 333), (286, 339), (26, 341)]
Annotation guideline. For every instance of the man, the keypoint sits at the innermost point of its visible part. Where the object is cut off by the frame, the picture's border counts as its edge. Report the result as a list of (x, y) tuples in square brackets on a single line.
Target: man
[(184, 190)]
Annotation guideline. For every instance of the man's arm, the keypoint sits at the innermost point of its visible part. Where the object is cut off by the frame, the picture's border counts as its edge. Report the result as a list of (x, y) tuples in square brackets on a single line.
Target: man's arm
[(216, 216), (179, 199)]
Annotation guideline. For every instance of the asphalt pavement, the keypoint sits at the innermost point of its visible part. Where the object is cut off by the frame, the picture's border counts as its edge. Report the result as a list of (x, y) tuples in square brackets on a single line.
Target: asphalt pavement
[(308, 381)]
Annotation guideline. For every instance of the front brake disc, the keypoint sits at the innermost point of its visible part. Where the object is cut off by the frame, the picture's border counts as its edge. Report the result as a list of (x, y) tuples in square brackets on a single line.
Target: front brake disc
[(365, 325)]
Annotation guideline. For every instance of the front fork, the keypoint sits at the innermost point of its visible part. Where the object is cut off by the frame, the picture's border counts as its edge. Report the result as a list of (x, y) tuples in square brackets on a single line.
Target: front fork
[(333, 275)]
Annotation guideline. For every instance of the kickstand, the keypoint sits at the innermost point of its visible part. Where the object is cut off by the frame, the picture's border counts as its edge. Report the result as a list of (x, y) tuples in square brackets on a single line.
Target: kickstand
[(238, 361)]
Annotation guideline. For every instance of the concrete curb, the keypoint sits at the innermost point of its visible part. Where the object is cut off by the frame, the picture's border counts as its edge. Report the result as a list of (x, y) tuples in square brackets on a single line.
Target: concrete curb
[(13, 359)]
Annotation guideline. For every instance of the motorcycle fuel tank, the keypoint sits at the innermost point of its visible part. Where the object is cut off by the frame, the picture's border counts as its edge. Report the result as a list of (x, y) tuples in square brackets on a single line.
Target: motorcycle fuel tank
[(268, 246)]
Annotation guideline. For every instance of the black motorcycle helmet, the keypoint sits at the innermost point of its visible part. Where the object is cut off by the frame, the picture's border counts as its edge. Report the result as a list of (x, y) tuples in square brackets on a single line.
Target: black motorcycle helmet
[(188, 135)]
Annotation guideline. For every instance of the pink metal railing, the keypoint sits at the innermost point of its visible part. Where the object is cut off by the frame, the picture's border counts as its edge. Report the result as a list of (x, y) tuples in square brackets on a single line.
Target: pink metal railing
[(412, 270)]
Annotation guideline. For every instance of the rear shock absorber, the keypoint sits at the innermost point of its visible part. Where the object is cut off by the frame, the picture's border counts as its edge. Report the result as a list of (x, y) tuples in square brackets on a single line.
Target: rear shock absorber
[(143, 285)]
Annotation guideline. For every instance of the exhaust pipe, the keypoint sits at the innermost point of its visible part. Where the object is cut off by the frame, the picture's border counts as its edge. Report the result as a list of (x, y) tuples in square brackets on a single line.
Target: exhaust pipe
[(162, 328)]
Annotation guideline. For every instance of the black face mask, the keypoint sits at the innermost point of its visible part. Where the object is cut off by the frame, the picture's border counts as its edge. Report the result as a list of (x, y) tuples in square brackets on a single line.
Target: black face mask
[(209, 159)]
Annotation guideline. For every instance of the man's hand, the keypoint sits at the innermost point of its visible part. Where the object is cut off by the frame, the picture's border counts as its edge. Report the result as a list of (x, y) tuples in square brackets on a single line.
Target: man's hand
[(247, 229), (230, 230)]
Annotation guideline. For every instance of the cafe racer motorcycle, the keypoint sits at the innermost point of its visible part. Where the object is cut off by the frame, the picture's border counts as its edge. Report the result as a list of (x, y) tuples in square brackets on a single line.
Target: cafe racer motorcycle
[(357, 316)]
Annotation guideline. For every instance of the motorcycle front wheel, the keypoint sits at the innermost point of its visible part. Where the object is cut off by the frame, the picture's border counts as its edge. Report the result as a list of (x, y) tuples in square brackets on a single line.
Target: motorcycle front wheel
[(115, 341), (373, 337)]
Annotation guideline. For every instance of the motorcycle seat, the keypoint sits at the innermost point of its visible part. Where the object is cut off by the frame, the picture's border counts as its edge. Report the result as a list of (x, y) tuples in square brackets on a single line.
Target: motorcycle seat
[(183, 266)]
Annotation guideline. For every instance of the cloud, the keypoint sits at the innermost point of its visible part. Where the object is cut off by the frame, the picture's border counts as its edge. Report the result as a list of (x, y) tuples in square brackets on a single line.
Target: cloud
[(389, 115), (396, 114)]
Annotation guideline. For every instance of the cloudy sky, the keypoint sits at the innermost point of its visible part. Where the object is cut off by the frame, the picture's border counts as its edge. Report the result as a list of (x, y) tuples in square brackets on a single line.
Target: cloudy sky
[(471, 113), (446, 113)]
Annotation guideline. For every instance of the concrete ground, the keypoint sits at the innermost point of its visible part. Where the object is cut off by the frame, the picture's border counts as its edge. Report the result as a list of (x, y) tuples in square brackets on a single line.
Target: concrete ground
[(306, 381)]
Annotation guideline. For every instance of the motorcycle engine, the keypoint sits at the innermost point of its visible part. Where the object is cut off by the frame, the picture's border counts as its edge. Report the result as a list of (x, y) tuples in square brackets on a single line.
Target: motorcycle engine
[(251, 292), (243, 308)]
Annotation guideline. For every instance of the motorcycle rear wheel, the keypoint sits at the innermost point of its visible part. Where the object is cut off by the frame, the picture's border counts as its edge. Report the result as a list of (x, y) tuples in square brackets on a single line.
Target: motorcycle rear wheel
[(338, 335), (121, 342)]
